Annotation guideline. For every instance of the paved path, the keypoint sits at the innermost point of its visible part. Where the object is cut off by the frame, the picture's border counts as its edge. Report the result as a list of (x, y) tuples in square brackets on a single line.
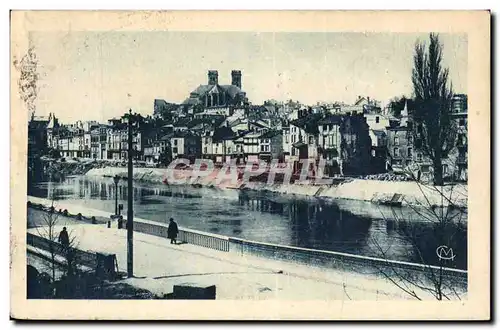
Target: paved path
[(159, 265)]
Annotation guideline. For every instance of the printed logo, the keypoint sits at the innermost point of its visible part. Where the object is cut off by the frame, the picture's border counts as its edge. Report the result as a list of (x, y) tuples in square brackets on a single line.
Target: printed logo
[(445, 253)]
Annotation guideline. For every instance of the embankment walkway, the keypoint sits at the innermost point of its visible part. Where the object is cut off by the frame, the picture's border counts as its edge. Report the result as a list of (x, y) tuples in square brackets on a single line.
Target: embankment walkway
[(159, 265)]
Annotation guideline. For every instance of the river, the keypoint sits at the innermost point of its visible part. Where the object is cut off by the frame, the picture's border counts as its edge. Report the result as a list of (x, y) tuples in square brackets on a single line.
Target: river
[(344, 226)]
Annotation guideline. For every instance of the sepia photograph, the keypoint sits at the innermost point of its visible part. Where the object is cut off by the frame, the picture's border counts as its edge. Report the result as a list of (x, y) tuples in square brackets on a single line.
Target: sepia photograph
[(248, 165)]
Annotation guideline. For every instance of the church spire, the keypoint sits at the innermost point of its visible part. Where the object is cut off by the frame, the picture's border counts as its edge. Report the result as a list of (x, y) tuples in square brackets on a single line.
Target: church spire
[(404, 114)]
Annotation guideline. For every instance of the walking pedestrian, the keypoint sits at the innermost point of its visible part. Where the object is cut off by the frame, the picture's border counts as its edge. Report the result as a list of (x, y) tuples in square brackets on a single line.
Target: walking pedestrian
[(172, 231), (64, 238)]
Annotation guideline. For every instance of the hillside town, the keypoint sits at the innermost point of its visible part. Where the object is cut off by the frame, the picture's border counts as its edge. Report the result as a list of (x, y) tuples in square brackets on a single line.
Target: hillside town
[(217, 121)]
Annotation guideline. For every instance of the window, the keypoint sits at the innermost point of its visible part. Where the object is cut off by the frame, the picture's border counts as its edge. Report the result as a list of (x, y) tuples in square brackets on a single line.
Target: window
[(445, 169), (396, 152), (228, 150), (311, 139), (331, 140), (174, 150), (410, 138), (377, 119), (409, 152), (262, 148), (205, 150), (293, 138), (293, 151), (419, 157), (286, 138), (396, 140), (461, 122), (418, 143), (325, 127)]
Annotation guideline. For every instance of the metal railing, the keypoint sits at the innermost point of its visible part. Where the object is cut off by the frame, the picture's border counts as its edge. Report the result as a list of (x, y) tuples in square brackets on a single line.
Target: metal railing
[(331, 259), (204, 239), (207, 240), (85, 258)]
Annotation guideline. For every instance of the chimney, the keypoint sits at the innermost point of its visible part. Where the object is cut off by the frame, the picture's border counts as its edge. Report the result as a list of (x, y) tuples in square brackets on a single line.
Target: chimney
[(236, 78), (213, 77)]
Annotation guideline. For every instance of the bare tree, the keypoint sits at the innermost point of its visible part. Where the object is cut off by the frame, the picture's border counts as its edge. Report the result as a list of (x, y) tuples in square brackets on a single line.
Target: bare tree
[(435, 132), (48, 229), (446, 224)]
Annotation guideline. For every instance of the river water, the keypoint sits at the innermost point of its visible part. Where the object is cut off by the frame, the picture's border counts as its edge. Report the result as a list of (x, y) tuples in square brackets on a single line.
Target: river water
[(344, 226)]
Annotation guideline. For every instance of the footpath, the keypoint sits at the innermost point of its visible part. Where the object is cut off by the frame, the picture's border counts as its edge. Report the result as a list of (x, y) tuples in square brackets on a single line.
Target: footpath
[(159, 265)]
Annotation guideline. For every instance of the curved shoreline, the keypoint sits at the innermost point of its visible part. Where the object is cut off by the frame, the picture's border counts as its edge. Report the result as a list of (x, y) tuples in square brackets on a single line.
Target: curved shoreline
[(375, 191)]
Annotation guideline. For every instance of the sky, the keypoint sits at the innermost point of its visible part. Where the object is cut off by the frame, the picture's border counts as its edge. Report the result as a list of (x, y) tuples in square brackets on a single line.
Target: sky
[(99, 75)]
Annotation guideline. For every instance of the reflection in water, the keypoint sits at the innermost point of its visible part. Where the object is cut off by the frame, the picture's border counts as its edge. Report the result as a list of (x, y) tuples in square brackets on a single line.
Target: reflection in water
[(272, 218)]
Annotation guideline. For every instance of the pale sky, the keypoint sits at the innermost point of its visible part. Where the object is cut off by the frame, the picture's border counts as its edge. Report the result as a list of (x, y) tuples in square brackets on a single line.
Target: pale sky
[(95, 76)]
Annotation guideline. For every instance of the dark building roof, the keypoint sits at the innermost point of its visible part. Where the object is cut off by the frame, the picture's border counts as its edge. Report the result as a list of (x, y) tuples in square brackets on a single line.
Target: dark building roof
[(191, 101), (201, 90), (182, 122), (232, 90), (161, 106), (308, 123), (213, 121), (223, 133), (183, 134), (330, 119)]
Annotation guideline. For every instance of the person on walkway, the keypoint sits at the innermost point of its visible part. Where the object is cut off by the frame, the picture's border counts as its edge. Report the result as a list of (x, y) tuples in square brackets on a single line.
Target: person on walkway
[(64, 238), (172, 231)]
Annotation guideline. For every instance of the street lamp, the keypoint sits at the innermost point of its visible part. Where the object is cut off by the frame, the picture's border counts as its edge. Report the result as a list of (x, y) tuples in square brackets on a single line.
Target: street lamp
[(133, 121), (116, 179)]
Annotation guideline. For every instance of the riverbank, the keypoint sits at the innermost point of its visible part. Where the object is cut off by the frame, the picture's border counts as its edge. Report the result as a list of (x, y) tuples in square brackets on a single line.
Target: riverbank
[(237, 274), (375, 191)]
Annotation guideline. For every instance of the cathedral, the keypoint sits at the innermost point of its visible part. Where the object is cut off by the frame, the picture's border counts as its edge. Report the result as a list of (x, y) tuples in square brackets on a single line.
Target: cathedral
[(214, 96)]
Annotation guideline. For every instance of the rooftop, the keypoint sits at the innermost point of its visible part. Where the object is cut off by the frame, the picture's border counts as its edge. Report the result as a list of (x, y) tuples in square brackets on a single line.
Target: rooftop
[(308, 123)]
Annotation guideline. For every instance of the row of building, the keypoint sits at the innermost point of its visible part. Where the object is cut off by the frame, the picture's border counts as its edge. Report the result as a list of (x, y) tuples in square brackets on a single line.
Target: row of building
[(217, 122)]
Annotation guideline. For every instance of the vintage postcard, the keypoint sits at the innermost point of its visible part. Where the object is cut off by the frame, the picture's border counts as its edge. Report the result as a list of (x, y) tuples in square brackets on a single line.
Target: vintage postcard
[(250, 165)]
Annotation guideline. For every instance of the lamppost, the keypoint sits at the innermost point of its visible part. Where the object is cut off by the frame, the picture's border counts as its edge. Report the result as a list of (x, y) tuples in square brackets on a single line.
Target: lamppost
[(116, 179), (132, 119)]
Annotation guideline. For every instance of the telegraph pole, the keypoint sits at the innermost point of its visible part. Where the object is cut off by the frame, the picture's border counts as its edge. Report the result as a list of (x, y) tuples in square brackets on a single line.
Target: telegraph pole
[(130, 208)]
